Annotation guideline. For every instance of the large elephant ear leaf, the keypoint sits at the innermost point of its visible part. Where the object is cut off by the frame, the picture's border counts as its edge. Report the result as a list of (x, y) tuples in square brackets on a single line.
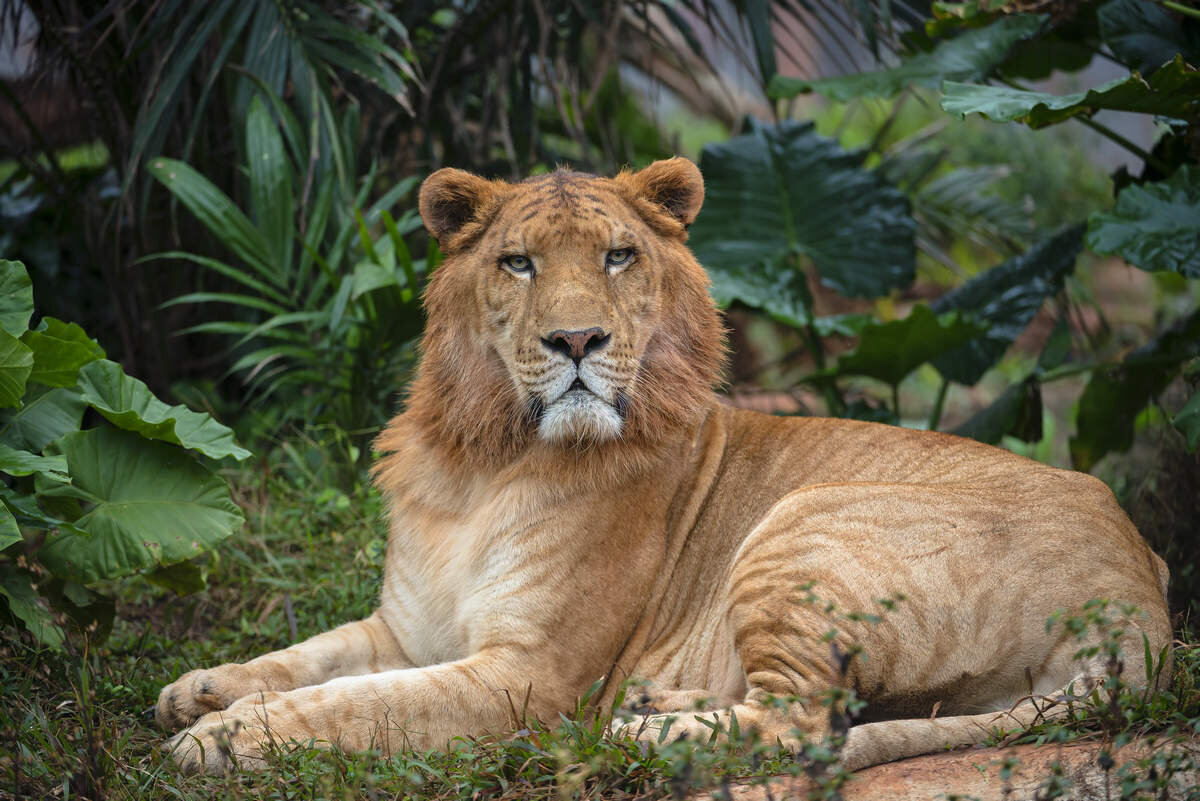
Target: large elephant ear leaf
[(1007, 297), (1172, 91), (970, 56), (890, 351), (783, 190), (45, 415), (16, 297), (16, 363), (129, 404), (148, 505), (1144, 36), (1113, 397), (16, 588), (59, 350), (1155, 226)]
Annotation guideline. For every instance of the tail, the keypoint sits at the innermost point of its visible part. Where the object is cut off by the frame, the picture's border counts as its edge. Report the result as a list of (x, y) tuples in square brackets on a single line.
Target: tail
[(887, 741)]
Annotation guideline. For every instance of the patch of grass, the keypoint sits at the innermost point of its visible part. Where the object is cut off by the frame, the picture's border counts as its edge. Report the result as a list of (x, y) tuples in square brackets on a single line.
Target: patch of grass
[(79, 724)]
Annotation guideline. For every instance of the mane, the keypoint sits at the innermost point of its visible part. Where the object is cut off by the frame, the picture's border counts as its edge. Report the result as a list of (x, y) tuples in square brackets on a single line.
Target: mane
[(463, 412)]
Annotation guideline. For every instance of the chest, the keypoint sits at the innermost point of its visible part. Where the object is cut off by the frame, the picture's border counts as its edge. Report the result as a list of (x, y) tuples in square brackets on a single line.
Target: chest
[(456, 583)]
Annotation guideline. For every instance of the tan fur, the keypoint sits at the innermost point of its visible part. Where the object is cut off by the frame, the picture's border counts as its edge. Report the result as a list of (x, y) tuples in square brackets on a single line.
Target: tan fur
[(527, 560)]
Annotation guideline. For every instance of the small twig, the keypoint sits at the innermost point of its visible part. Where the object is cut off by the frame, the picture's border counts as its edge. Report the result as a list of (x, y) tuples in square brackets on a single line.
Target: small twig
[(935, 416), (291, 615)]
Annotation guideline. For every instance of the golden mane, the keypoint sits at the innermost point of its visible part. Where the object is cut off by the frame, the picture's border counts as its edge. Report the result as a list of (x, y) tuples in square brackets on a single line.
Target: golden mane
[(462, 405)]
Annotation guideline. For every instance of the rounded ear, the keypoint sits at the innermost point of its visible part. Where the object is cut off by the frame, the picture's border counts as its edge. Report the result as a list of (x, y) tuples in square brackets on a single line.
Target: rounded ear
[(673, 184), (449, 200)]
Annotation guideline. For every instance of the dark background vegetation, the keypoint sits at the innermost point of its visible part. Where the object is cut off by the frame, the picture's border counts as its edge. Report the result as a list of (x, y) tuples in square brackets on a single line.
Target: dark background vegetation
[(899, 226)]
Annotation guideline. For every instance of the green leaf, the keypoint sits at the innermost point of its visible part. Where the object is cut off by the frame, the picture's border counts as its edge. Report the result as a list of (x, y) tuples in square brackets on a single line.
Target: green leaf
[(757, 14), (59, 350), (17, 588), (890, 351), (1006, 297), (1114, 396), (16, 297), (129, 404), (45, 416), (217, 213), (28, 513), (1016, 412), (1188, 421), (152, 505), (971, 56), (1155, 226), (16, 462), (783, 190), (10, 533), (183, 578), (369, 276), (1173, 91), (1144, 36), (16, 363), (270, 183)]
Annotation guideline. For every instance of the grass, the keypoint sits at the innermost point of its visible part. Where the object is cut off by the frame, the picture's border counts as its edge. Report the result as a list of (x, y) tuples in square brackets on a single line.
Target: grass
[(79, 723)]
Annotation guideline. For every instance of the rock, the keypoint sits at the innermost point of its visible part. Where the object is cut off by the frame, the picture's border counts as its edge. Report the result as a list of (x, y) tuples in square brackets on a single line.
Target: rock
[(976, 774)]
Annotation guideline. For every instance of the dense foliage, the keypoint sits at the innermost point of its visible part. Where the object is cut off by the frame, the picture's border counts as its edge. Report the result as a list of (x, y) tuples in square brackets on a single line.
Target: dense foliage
[(101, 502), (911, 230)]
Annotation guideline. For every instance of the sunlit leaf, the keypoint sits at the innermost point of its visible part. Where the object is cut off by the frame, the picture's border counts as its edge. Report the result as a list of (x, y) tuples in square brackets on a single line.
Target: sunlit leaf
[(1172, 91)]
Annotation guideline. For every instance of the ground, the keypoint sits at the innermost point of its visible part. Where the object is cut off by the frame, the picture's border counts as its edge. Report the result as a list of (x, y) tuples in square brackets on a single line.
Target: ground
[(80, 724)]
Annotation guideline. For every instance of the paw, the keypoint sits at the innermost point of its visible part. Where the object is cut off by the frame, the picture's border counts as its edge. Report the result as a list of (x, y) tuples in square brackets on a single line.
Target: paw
[(198, 693), (234, 737)]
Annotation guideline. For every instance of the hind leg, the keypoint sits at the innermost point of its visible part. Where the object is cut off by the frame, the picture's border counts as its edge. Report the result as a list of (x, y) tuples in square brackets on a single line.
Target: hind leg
[(968, 638)]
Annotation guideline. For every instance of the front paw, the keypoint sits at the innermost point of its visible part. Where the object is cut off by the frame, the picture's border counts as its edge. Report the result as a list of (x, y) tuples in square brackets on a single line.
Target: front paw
[(222, 740), (240, 735), (199, 692)]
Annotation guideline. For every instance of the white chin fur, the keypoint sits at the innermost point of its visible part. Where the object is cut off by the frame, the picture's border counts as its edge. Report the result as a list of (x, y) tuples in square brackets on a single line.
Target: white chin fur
[(579, 416)]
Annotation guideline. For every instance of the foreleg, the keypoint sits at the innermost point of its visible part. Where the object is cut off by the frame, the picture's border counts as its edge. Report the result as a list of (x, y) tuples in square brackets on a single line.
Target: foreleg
[(364, 646), (419, 708)]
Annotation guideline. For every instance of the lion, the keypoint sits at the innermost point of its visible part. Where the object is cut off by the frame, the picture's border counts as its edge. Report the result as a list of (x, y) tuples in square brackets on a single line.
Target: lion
[(570, 500)]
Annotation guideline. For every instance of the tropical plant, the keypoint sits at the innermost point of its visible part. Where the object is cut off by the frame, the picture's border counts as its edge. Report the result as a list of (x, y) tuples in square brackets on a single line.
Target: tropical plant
[(328, 302), (144, 79), (785, 205), (84, 505)]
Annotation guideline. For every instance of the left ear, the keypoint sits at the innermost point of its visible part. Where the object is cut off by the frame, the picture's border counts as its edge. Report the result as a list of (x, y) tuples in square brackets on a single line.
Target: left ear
[(675, 185)]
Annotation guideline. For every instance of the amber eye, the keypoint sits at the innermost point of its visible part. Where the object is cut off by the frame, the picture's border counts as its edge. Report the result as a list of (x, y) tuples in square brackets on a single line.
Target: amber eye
[(517, 265), (619, 257)]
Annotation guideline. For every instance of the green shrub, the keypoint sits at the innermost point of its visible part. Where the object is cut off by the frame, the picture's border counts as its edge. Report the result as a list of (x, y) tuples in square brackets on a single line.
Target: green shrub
[(84, 505), (328, 309)]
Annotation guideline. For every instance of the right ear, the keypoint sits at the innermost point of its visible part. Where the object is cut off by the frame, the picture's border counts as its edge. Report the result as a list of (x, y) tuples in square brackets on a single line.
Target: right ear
[(450, 199)]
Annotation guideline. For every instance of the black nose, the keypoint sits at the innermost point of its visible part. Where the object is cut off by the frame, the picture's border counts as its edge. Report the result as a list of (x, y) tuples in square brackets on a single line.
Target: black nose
[(577, 344)]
